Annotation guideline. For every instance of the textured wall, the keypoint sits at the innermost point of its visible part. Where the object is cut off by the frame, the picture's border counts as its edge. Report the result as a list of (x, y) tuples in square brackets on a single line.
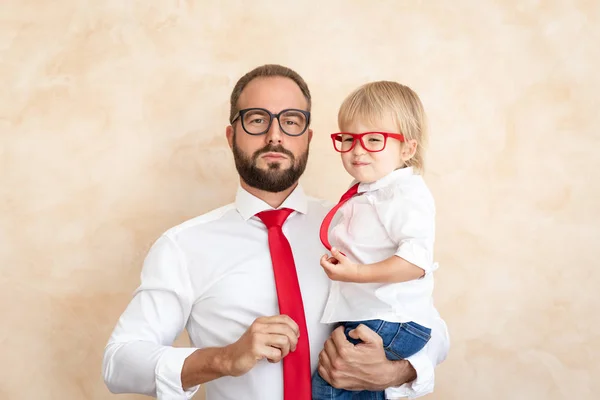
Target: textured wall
[(112, 119)]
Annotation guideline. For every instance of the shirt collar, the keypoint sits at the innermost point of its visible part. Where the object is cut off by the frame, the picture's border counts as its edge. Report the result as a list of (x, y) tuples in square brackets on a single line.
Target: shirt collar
[(387, 180), (249, 205)]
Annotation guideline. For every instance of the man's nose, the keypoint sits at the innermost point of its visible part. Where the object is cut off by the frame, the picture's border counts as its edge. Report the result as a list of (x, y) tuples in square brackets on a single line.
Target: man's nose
[(274, 134)]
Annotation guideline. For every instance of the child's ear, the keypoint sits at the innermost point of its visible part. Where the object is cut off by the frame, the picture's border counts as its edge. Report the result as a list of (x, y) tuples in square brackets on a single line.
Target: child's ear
[(409, 149)]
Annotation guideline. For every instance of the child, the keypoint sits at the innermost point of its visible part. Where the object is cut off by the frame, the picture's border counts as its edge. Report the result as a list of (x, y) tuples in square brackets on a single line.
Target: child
[(382, 263)]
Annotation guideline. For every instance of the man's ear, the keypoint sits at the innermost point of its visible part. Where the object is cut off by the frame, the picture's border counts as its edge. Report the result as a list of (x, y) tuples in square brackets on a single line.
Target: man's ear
[(310, 135), (229, 133)]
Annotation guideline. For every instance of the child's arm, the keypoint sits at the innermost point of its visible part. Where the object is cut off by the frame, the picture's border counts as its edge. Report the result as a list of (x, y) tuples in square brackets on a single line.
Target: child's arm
[(394, 269), (409, 220)]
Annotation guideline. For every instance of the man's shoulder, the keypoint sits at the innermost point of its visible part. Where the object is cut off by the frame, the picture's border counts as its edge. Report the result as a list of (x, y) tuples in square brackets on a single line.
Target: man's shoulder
[(315, 203), (205, 219)]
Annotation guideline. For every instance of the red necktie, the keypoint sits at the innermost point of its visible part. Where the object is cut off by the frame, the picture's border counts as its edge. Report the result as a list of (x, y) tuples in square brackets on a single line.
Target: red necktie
[(329, 217), (296, 365)]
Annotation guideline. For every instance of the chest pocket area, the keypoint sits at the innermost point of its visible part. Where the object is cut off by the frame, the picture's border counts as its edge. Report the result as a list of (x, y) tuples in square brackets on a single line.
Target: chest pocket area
[(364, 225)]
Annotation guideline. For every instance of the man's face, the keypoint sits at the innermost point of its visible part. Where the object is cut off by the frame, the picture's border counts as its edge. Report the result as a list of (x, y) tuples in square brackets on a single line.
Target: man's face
[(272, 162)]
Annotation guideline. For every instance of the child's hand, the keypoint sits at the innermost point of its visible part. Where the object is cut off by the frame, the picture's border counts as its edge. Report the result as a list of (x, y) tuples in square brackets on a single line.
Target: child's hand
[(339, 267)]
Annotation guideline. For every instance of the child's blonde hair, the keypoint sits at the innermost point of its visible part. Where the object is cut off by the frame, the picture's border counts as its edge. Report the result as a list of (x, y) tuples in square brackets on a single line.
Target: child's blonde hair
[(375, 101)]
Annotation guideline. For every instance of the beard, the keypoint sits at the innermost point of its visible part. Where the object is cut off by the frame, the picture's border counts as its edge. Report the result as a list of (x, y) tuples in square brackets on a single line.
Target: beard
[(274, 179)]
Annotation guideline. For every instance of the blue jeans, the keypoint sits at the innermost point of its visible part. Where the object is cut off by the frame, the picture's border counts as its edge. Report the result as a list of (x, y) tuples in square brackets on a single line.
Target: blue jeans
[(400, 340)]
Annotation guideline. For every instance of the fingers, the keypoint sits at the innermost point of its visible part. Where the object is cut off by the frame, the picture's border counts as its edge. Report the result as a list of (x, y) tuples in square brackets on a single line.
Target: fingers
[(280, 342), (330, 348), (328, 263), (269, 323), (331, 362), (338, 254), (339, 340), (365, 334), (324, 366), (274, 337), (335, 252), (324, 359), (337, 257), (272, 354), (282, 325), (269, 346)]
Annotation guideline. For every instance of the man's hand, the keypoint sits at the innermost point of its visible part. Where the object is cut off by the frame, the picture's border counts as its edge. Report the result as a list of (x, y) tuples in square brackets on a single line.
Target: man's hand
[(339, 267), (270, 338), (361, 367)]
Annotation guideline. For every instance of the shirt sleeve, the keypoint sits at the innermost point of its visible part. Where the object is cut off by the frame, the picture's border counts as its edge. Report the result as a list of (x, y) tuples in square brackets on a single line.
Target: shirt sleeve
[(424, 363), (409, 219), (139, 357)]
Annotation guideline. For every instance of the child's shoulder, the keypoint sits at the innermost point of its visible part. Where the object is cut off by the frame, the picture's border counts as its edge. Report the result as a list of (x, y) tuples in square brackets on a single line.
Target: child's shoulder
[(411, 187)]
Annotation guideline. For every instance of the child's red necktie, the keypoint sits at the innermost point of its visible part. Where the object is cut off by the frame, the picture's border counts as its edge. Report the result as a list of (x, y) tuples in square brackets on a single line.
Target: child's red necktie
[(327, 220)]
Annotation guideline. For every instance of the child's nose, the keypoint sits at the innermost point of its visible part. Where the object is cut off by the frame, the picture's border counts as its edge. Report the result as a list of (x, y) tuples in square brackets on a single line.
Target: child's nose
[(358, 149)]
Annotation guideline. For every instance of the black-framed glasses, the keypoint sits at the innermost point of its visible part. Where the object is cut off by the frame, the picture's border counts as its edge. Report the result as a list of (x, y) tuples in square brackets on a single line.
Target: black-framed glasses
[(257, 121)]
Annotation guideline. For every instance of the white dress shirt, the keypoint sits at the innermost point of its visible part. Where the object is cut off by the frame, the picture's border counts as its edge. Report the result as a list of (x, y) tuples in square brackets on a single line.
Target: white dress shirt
[(213, 276), (395, 215)]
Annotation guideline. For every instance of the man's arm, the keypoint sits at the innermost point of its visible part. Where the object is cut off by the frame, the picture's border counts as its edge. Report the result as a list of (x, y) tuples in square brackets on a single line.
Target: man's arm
[(139, 357), (365, 366), (270, 338)]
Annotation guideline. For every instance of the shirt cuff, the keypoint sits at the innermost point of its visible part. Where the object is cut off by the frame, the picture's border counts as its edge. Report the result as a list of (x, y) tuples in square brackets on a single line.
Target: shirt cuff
[(168, 374), (416, 255), (421, 386)]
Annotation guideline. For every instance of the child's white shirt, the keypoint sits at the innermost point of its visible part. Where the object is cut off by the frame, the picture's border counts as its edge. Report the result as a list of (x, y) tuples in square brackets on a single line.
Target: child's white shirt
[(393, 216)]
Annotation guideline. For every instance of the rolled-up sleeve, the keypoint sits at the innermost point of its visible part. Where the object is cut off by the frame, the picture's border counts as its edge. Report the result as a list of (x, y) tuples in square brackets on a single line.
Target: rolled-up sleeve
[(139, 357), (424, 363), (409, 219)]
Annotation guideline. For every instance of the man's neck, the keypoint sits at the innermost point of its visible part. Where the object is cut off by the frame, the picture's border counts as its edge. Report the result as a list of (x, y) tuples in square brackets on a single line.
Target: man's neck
[(273, 199)]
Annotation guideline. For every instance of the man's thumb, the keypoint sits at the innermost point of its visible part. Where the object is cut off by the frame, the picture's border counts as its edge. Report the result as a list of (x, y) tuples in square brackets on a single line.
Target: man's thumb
[(365, 334)]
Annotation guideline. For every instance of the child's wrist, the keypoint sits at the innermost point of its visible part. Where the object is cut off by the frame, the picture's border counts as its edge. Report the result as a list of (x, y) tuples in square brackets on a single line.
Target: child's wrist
[(362, 273)]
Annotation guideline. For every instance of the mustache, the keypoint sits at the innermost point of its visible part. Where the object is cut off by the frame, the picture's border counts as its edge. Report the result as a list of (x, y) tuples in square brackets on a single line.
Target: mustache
[(273, 149)]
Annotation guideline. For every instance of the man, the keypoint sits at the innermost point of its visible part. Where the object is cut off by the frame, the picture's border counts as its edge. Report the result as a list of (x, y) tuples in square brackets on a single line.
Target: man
[(228, 277)]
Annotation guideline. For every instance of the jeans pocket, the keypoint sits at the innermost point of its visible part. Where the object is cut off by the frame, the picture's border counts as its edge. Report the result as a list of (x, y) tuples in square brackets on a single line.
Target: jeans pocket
[(418, 330), (409, 339)]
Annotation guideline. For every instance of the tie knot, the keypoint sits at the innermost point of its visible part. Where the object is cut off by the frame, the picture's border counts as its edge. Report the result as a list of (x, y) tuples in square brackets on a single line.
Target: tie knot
[(349, 193), (274, 218)]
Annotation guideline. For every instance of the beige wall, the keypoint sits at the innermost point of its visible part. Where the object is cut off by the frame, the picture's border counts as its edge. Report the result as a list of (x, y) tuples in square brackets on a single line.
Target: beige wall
[(112, 117)]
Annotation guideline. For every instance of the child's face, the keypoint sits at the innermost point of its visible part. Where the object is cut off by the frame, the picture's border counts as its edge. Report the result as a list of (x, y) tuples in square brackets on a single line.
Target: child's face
[(367, 167)]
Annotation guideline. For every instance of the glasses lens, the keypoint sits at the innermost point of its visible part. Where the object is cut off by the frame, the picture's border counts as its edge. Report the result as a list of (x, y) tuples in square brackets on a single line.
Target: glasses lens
[(256, 121), (342, 142), (374, 141), (293, 122)]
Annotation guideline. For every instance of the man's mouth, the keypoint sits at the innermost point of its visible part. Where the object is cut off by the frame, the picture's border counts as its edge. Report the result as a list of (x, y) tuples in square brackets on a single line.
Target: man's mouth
[(271, 156)]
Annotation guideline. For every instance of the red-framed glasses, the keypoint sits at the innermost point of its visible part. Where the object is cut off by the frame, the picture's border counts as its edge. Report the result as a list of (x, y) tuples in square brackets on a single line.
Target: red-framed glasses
[(372, 142)]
